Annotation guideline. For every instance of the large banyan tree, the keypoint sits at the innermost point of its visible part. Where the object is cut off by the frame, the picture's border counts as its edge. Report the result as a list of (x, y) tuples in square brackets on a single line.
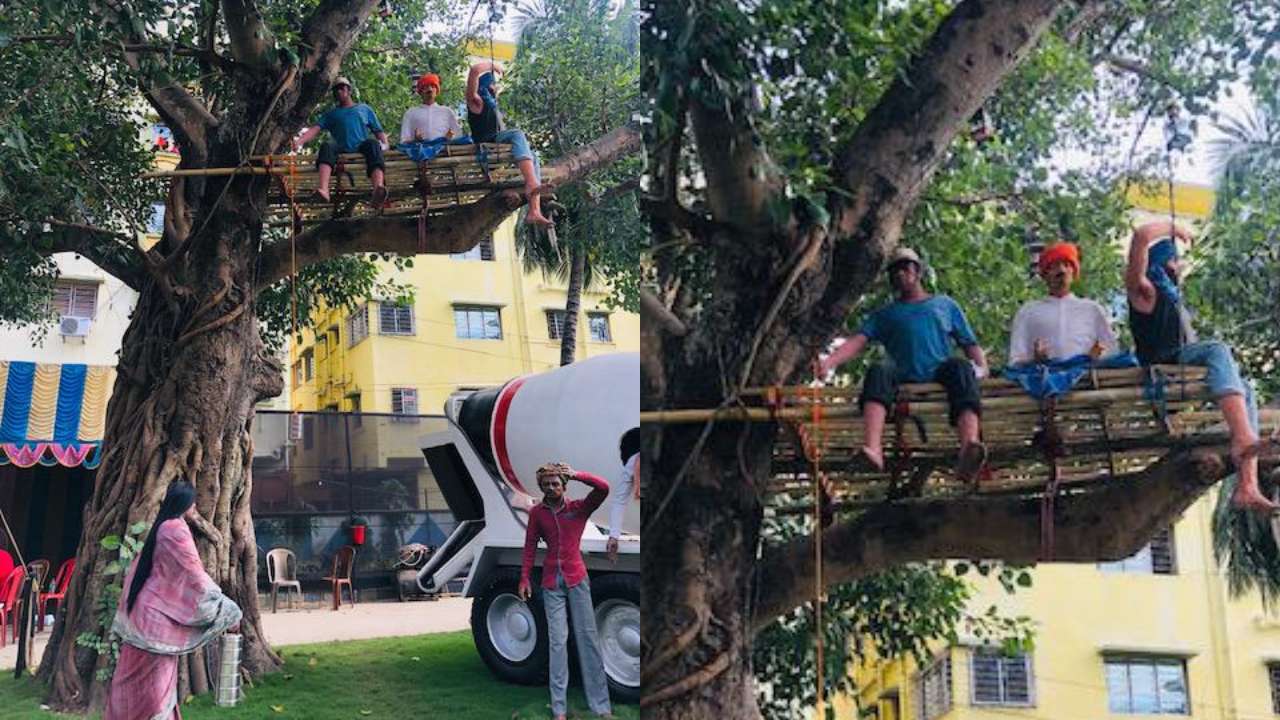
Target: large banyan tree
[(232, 80), (794, 143)]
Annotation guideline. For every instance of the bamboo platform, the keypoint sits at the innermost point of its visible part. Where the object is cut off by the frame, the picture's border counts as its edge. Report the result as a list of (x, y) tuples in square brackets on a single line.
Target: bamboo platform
[(1108, 428), (456, 178)]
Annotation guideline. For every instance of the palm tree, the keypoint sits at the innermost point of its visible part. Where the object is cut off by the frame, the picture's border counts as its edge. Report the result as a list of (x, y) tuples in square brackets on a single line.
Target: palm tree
[(1248, 148), (596, 35), (1247, 160)]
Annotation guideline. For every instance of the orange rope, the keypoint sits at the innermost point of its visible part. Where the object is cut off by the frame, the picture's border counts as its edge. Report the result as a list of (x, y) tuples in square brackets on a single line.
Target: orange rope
[(816, 459)]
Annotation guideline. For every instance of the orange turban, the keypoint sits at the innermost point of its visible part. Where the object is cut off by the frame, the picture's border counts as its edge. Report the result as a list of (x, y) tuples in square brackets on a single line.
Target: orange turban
[(428, 79), (1065, 251)]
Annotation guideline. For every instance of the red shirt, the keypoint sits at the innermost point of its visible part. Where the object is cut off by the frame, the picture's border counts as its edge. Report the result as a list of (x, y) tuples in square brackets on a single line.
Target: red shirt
[(562, 529)]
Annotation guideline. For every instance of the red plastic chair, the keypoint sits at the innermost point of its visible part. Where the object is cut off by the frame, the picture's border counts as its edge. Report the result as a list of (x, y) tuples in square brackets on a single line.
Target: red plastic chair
[(341, 575), (60, 583), (9, 600)]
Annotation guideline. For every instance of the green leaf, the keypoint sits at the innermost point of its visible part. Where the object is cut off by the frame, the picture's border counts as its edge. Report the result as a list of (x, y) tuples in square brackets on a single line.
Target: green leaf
[(110, 542), (139, 527)]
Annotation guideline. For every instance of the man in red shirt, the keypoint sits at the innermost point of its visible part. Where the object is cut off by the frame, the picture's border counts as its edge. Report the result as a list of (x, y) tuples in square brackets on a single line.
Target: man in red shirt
[(564, 581)]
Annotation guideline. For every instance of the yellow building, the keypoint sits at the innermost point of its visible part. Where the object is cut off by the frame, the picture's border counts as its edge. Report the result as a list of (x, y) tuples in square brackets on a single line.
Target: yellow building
[(1157, 633), (477, 320)]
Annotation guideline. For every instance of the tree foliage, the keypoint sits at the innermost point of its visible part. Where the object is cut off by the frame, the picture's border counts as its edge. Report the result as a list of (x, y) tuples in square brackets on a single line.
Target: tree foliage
[(576, 74)]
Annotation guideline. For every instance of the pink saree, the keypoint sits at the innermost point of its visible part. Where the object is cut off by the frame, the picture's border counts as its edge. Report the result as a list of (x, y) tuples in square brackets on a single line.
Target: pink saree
[(178, 610)]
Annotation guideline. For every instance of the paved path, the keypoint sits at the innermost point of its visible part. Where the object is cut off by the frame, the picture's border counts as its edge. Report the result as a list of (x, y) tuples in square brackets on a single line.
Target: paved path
[(366, 620)]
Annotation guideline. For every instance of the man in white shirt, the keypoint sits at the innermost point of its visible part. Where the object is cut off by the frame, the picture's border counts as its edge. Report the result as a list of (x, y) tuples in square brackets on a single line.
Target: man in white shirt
[(1061, 326), (624, 489), (428, 121)]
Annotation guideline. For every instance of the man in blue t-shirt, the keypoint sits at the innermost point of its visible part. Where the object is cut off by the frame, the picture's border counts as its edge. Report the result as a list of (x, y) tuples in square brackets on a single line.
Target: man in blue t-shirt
[(349, 124), (917, 331)]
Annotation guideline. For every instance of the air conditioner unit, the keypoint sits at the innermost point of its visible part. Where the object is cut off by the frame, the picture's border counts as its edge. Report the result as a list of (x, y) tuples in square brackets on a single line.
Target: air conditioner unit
[(74, 326)]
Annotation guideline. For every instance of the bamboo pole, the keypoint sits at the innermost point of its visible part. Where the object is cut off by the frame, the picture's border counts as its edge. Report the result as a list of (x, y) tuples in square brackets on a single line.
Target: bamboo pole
[(1024, 403)]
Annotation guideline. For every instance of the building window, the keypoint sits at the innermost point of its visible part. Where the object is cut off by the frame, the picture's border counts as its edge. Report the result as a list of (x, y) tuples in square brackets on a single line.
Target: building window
[(555, 324), (1000, 679), (308, 364), (357, 325), (477, 322), (598, 326), (1149, 685), (1273, 672), (1158, 557), (357, 419), (482, 251), (404, 401), (72, 298), (933, 689), (155, 223), (297, 373), (395, 319)]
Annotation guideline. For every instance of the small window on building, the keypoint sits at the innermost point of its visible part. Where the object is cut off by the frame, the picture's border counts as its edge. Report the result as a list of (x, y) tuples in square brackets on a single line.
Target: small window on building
[(297, 373), (1273, 674), (357, 325), (308, 364), (75, 298), (1147, 685), (477, 322), (933, 689), (395, 319), (482, 251), (1157, 557), (1000, 679), (357, 419), (598, 326), (404, 401), (155, 223), (555, 324)]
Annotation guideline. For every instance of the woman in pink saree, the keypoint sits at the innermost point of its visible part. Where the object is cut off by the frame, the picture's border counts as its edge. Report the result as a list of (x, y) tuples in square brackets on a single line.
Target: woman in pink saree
[(170, 607)]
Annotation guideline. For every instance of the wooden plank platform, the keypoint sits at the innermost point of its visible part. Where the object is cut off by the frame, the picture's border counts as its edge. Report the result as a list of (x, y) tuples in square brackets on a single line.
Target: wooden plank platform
[(1108, 427), (455, 177)]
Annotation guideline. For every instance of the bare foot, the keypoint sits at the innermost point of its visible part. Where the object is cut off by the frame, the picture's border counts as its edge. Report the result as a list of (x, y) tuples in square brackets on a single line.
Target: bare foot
[(875, 456), (378, 198), (972, 457), (537, 219), (321, 195), (1253, 501)]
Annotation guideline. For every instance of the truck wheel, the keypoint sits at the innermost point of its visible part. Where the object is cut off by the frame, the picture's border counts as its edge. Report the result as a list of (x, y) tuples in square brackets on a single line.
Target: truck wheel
[(617, 600), (510, 634)]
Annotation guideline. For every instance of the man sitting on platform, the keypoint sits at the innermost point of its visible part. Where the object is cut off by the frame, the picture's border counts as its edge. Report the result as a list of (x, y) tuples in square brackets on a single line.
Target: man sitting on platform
[(429, 121), (487, 127), (1162, 333), (1061, 326), (917, 331), (349, 125)]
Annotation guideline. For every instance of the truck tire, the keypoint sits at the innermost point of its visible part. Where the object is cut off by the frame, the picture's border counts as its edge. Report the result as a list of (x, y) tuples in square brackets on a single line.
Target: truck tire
[(616, 597), (511, 635)]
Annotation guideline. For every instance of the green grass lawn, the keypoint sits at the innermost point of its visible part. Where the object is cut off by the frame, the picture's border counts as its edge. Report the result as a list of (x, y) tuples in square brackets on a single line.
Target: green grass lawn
[(425, 676)]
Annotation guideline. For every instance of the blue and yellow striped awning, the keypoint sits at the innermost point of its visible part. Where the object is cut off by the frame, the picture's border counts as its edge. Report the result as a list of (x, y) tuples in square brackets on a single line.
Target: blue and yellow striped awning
[(53, 414)]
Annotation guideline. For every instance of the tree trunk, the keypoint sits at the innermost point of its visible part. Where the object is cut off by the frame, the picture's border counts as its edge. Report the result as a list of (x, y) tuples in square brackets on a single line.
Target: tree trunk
[(572, 303), (697, 655), (191, 368)]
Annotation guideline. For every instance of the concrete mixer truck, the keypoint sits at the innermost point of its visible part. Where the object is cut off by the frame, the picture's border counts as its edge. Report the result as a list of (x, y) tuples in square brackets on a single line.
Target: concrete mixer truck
[(484, 463)]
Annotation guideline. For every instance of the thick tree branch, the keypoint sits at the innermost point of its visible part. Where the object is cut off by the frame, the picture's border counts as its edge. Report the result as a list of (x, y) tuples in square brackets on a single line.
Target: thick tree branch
[(459, 232), (1108, 521), (187, 117), (109, 250), (327, 36), (251, 40)]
